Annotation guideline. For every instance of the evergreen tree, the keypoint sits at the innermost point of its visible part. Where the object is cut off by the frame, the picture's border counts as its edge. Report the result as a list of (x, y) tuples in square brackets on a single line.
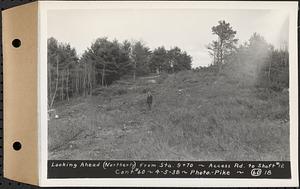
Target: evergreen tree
[(225, 45), (178, 60), (140, 55), (159, 60)]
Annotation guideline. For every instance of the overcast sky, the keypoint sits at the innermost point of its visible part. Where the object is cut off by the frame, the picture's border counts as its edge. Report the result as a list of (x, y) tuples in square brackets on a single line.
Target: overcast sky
[(189, 29)]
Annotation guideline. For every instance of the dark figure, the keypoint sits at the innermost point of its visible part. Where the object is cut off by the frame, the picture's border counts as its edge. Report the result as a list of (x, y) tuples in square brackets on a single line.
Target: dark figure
[(149, 100)]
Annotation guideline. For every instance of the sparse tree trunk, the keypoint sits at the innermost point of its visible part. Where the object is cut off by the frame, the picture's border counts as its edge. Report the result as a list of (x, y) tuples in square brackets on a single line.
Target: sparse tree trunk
[(221, 55), (79, 84), (56, 84), (76, 81), (88, 91), (218, 56), (134, 71), (90, 83), (67, 84), (84, 80), (103, 75), (49, 84), (62, 86), (269, 72)]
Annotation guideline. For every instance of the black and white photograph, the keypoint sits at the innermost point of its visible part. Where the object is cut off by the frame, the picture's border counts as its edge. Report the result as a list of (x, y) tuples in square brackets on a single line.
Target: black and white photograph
[(176, 85), (151, 93), (167, 93)]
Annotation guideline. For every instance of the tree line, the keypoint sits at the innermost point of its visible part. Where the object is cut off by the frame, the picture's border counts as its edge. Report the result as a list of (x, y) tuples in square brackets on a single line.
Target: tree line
[(255, 60), (104, 62)]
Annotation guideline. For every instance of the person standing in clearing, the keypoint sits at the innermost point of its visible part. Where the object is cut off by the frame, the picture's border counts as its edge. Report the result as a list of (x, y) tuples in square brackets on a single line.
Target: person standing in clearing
[(149, 99)]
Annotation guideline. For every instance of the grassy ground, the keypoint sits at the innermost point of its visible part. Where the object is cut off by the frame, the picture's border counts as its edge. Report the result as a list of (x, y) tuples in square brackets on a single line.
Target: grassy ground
[(195, 116)]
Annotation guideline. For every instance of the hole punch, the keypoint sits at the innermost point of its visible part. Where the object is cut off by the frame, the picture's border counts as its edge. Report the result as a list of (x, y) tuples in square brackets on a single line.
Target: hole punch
[(17, 146), (16, 43)]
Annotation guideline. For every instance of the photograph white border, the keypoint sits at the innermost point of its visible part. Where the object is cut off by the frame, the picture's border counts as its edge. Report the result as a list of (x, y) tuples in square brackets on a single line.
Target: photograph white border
[(45, 6)]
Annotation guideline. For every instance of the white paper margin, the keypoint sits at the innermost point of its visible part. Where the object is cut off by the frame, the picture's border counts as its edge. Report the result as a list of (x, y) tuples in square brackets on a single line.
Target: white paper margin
[(44, 6)]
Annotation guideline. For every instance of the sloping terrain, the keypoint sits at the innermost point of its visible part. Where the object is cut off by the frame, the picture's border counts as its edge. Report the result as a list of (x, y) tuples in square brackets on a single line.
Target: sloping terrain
[(195, 116)]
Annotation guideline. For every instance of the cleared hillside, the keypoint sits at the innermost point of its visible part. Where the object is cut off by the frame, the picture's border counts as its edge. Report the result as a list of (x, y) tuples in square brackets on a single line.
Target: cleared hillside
[(195, 116)]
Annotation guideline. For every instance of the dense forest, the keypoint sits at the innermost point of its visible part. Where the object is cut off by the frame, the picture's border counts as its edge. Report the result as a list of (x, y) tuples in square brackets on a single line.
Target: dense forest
[(104, 62), (255, 62)]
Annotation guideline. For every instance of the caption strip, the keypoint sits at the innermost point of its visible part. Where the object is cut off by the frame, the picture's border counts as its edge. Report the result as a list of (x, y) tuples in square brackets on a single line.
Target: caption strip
[(168, 169)]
